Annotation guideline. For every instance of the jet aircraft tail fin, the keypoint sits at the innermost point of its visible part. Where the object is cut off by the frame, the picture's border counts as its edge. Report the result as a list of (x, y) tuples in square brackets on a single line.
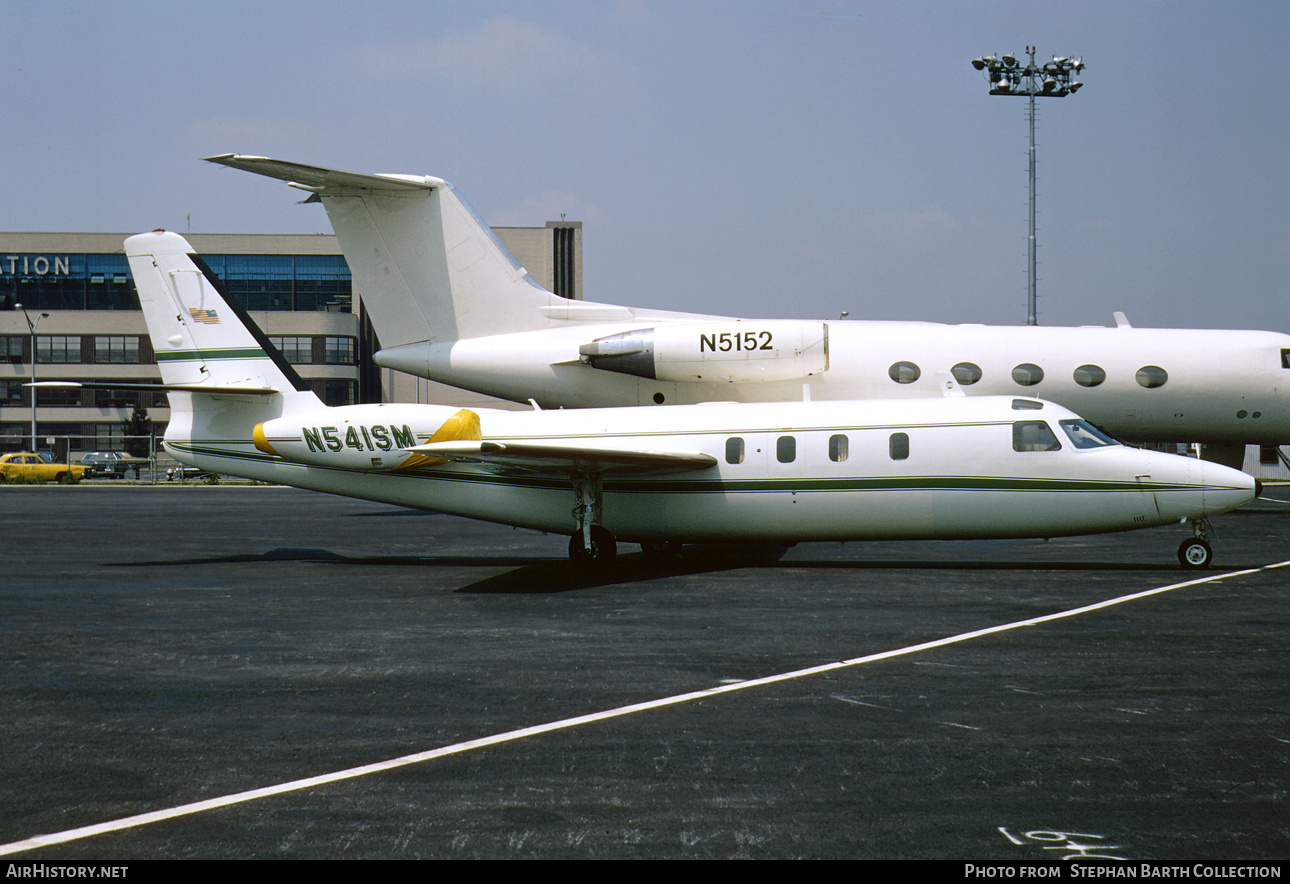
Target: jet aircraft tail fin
[(441, 273), (202, 340)]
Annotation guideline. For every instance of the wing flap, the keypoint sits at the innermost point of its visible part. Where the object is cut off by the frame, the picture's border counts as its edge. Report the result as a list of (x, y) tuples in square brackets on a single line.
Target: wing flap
[(528, 457)]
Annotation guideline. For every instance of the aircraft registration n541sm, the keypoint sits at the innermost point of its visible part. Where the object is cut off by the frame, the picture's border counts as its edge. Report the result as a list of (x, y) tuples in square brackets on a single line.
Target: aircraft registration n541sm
[(450, 303), (950, 467)]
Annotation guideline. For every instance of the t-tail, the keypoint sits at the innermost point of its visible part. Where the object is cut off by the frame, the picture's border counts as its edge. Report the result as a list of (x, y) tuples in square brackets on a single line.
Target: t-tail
[(237, 406), (443, 273)]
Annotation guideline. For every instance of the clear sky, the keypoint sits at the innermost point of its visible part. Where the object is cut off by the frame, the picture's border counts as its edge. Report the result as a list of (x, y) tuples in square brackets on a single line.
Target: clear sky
[(792, 158)]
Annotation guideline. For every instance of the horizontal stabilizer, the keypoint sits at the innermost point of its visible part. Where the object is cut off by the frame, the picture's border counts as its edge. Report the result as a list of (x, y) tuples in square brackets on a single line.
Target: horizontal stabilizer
[(246, 390), (317, 179), (529, 458), (428, 267)]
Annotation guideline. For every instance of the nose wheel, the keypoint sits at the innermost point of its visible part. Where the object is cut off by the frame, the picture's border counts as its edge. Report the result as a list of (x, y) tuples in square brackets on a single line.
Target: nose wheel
[(1196, 552)]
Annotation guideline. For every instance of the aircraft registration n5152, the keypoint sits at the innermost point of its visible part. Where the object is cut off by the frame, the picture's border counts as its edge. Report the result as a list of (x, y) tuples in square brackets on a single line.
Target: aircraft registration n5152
[(450, 303), (949, 467)]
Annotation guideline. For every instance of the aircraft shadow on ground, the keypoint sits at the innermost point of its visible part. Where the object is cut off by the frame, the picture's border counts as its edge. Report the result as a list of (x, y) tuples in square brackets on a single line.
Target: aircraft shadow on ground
[(526, 575)]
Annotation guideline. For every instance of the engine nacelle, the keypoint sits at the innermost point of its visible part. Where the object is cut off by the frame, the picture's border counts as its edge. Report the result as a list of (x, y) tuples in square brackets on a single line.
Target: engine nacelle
[(365, 437), (730, 350)]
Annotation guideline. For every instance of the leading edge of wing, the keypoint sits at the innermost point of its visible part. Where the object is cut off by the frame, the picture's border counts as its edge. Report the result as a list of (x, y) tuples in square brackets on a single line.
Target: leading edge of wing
[(530, 457), (317, 178)]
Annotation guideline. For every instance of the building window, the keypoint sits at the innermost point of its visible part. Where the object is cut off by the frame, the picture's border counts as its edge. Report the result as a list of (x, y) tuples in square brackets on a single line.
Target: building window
[(11, 393), (1268, 455), (966, 373), (108, 437), (116, 348), (898, 446), (1089, 375), (341, 351), (838, 448), (58, 397), (11, 349), (1152, 376), (58, 348), (904, 372), (335, 391), (1027, 374), (120, 398), (734, 450), (298, 350), (786, 449)]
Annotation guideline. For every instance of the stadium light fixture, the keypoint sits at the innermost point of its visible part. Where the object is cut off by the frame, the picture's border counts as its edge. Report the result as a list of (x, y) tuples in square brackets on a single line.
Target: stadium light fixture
[(1052, 79)]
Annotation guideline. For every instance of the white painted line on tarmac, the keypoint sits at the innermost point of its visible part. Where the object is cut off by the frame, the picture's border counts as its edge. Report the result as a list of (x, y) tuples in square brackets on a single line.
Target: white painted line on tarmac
[(196, 807)]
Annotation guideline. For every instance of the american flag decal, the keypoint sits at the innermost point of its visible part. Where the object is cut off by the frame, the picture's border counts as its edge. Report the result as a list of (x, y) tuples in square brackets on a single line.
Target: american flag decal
[(206, 316)]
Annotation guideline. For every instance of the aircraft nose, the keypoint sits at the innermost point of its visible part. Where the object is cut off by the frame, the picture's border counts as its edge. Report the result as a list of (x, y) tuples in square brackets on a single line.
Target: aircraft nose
[(1188, 488), (1225, 488), (1213, 488)]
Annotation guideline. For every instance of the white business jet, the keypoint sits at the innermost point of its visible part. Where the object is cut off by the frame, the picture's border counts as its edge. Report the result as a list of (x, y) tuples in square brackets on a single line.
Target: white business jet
[(949, 467), (450, 303)]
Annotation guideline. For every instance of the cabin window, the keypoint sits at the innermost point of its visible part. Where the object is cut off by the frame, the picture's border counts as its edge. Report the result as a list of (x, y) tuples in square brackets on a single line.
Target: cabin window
[(1033, 436), (786, 449), (898, 446), (1027, 405), (966, 373), (1027, 374), (904, 372), (838, 446), (1285, 358), (1089, 375), (1152, 376), (1084, 435), (735, 450)]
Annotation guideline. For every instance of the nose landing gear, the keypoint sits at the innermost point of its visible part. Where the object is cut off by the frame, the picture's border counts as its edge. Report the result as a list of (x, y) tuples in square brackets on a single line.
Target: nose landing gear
[(1195, 552)]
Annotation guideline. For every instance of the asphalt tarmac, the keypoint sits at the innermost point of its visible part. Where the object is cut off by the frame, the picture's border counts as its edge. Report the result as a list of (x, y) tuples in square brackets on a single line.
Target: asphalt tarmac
[(167, 645)]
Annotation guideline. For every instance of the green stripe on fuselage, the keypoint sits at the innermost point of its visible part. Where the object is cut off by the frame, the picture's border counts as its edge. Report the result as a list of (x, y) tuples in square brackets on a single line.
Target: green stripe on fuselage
[(717, 485), (208, 355)]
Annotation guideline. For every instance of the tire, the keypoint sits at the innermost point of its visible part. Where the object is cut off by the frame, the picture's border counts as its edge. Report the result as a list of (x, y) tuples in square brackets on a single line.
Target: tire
[(603, 548), (1195, 553), (661, 550)]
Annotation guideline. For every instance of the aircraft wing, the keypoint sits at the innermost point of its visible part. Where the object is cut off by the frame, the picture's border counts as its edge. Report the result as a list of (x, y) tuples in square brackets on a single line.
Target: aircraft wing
[(245, 390), (316, 178), (527, 457)]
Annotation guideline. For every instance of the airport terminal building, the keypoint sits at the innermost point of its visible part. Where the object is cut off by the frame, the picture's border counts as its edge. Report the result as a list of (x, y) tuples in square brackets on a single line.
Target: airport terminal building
[(79, 319)]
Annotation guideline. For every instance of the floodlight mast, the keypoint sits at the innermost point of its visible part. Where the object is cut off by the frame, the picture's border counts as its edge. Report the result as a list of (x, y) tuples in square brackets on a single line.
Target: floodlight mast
[(1050, 79)]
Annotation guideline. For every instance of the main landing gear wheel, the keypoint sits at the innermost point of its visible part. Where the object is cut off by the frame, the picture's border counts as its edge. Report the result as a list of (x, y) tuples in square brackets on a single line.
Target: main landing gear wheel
[(661, 550), (602, 551), (1195, 553)]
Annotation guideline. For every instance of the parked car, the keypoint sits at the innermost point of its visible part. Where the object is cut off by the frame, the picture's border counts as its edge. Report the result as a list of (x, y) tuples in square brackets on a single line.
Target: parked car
[(104, 463), (26, 466)]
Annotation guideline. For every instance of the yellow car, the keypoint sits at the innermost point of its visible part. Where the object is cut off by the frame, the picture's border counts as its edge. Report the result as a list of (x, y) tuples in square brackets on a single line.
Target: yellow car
[(28, 467)]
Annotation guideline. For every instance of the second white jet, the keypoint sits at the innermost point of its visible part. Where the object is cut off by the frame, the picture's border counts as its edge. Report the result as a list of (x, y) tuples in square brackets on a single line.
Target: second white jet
[(450, 303)]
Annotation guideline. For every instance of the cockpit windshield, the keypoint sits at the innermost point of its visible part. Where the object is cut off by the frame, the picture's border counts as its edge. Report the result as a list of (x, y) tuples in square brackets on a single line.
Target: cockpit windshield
[(1085, 435)]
